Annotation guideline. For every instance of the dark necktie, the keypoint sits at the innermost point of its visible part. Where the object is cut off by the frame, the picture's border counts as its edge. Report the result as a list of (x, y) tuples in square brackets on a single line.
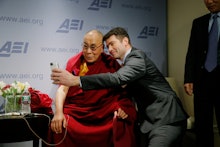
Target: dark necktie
[(211, 60)]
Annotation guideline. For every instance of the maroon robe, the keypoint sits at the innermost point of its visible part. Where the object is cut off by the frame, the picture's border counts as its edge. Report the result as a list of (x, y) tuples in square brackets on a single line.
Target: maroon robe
[(90, 114)]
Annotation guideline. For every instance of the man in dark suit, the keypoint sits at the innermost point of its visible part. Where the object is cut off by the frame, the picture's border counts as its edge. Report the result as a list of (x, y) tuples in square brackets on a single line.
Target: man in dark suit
[(201, 80), (162, 119)]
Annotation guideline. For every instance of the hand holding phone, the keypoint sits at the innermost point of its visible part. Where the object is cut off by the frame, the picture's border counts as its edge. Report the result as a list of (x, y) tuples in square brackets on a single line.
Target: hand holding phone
[(54, 65)]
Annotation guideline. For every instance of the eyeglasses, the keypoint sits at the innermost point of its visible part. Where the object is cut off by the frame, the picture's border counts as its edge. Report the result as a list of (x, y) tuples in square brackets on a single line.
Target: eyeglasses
[(92, 47)]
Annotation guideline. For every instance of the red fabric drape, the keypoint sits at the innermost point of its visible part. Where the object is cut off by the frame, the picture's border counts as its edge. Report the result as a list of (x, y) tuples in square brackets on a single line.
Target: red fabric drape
[(40, 102)]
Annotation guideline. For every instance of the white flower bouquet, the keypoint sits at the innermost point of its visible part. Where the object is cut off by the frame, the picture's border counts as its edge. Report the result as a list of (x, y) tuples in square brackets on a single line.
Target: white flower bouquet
[(12, 94)]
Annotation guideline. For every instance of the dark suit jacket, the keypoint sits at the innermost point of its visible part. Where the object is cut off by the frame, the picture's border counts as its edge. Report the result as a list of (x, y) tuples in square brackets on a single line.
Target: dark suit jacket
[(197, 50), (157, 102)]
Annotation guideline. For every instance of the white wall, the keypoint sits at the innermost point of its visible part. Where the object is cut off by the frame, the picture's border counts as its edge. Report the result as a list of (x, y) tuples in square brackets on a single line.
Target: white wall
[(180, 16)]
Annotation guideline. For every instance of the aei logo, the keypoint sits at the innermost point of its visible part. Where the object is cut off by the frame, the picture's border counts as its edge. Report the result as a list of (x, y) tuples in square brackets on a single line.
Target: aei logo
[(70, 24), (148, 31), (13, 47), (96, 4)]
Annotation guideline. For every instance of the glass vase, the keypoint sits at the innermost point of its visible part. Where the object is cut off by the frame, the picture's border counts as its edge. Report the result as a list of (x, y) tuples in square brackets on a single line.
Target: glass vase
[(12, 103), (2, 105)]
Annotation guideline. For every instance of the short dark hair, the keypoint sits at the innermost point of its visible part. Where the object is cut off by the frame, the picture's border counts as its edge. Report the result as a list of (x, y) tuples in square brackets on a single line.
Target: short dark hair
[(119, 32)]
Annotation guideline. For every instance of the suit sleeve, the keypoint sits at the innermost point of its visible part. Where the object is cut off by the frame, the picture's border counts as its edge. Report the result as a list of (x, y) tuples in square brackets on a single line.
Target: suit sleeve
[(134, 68)]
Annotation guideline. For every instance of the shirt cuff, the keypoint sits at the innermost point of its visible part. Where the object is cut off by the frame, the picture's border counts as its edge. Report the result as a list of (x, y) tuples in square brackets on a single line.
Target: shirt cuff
[(80, 83)]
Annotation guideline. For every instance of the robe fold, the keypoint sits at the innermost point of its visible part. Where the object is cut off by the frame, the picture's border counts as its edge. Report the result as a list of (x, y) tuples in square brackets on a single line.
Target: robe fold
[(90, 114)]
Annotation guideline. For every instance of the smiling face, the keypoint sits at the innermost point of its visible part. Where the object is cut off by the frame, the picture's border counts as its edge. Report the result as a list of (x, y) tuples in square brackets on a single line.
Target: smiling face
[(118, 42), (116, 47), (92, 46)]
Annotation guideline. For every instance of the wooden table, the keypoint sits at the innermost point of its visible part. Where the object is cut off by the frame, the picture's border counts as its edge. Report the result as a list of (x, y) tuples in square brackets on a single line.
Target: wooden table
[(15, 128)]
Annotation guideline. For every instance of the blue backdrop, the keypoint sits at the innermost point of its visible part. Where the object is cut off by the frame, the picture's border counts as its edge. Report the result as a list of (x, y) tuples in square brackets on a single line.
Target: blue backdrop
[(34, 33)]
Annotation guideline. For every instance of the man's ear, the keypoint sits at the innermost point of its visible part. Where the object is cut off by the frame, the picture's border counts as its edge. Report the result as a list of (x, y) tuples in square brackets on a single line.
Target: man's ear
[(125, 41)]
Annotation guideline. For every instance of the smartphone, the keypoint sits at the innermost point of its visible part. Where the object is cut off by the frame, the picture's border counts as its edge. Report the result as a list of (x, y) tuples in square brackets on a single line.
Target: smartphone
[(54, 65)]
